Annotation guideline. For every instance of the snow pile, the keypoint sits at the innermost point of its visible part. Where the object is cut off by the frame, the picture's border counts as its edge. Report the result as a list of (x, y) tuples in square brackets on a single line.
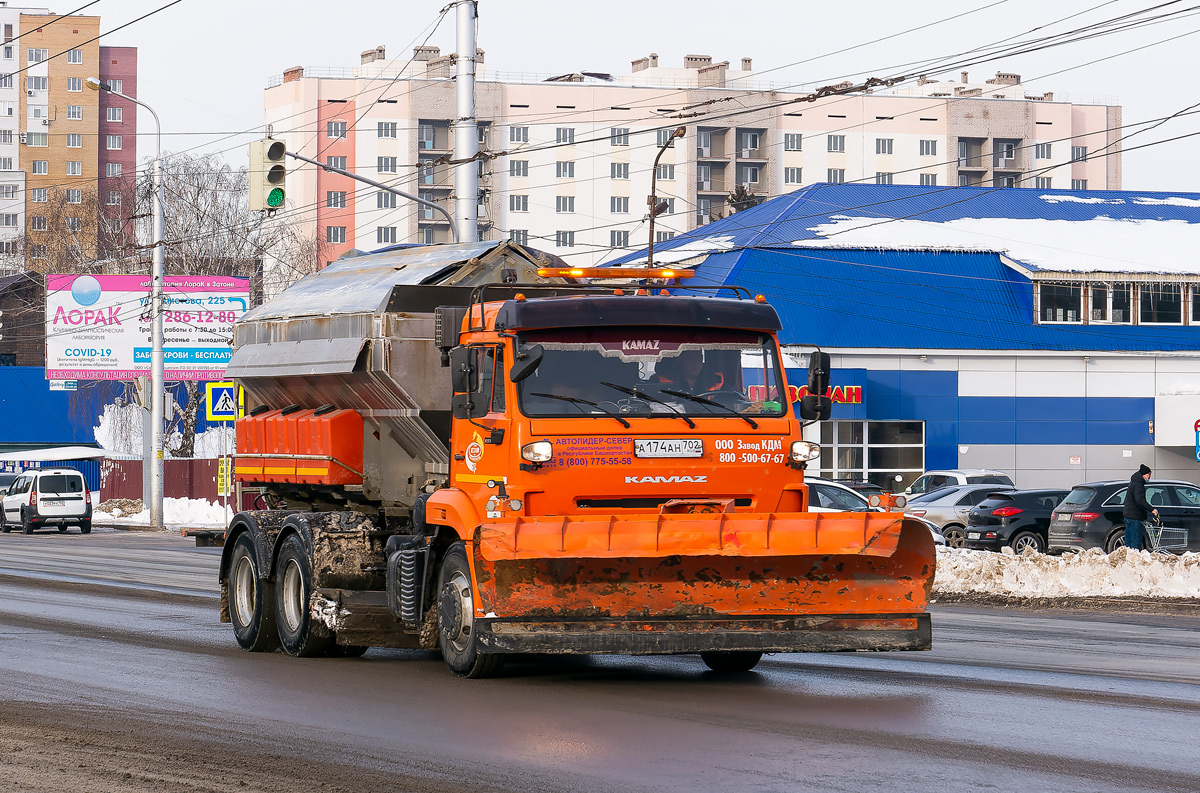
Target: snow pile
[(192, 512), (1091, 573)]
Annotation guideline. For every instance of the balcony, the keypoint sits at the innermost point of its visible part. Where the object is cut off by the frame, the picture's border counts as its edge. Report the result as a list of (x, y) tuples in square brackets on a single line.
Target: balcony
[(753, 154)]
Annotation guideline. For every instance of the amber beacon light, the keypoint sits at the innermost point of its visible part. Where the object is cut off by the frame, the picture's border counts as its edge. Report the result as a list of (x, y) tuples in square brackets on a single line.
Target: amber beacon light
[(613, 272)]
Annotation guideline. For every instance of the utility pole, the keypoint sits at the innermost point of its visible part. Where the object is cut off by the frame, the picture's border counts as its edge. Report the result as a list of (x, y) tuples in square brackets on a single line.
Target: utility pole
[(466, 130)]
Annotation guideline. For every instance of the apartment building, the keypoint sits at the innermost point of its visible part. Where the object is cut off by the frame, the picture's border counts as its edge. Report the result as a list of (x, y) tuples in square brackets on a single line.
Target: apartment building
[(569, 158), (58, 139)]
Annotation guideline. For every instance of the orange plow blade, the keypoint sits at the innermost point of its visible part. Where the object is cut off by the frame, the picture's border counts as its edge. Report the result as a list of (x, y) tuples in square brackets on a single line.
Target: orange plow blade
[(691, 583)]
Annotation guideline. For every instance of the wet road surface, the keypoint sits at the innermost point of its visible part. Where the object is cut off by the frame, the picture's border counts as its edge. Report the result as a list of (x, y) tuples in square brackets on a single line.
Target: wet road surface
[(115, 635)]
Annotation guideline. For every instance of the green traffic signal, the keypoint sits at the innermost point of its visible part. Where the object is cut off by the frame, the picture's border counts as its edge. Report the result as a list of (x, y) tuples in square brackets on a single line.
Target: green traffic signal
[(275, 197)]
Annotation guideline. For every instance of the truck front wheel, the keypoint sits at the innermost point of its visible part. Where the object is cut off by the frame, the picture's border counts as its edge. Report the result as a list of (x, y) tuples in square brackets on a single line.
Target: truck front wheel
[(731, 661), (456, 619), (299, 633), (251, 600)]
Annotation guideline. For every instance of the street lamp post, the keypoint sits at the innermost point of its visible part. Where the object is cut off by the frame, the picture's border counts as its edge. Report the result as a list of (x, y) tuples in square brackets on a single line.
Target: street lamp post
[(678, 132), (154, 460)]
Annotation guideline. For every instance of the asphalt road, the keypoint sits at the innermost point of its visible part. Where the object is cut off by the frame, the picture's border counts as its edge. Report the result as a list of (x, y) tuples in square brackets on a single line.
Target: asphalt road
[(115, 675)]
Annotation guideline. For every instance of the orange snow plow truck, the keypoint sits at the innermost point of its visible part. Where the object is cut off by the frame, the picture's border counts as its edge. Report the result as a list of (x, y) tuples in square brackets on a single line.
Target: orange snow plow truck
[(461, 450)]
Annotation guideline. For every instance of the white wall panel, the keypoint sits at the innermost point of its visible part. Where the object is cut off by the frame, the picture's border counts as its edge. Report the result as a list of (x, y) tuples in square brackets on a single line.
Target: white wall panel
[(932, 363), (1173, 364), (993, 384), (1123, 363), (987, 363), (1050, 384), (1175, 418), (1056, 364), (1120, 384)]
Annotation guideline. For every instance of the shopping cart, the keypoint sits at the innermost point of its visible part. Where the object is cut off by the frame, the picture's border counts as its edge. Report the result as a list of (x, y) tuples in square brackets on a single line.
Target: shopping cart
[(1167, 539)]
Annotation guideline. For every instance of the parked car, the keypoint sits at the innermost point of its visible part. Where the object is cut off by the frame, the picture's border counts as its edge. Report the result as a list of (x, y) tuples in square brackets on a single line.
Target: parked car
[(934, 480), (862, 486), (6, 480), (829, 496), (950, 507), (47, 496), (1090, 515), (1017, 518)]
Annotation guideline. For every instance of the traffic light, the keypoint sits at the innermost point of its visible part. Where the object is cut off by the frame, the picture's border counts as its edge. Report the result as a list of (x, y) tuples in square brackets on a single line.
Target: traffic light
[(267, 173)]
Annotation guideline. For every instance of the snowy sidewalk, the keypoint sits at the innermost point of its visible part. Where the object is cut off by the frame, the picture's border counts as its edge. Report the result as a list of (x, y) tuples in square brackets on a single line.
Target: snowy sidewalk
[(177, 512)]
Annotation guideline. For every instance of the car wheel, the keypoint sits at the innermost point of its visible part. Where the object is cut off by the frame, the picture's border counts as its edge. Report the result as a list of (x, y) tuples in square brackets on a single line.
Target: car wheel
[(731, 661), (251, 599), (4, 527), (955, 536), (1115, 540), (456, 619), (26, 525), (299, 633), (1027, 539), (85, 527)]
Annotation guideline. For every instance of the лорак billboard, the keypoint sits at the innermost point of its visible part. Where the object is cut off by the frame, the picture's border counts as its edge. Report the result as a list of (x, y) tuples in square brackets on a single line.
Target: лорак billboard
[(98, 326)]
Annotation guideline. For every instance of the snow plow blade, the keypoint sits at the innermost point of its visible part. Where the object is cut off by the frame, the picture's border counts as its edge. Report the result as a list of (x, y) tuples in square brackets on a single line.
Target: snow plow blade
[(659, 584)]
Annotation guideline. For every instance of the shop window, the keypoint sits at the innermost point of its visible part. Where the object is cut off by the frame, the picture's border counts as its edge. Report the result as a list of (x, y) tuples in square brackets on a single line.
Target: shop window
[(876, 451), (1160, 304), (1059, 302)]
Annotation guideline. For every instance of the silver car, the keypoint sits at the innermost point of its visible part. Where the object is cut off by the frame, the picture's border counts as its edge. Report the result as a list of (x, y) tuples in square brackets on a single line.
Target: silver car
[(949, 508)]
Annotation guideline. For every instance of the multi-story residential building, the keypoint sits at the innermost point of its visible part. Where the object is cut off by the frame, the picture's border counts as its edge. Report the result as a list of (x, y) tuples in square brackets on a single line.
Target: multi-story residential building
[(568, 159), (116, 169)]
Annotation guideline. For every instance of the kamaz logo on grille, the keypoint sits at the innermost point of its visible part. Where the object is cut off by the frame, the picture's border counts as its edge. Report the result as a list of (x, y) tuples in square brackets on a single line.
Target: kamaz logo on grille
[(665, 480)]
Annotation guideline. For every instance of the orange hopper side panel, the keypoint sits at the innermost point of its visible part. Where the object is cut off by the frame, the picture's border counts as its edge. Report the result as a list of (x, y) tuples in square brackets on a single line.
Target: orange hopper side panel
[(300, 447)]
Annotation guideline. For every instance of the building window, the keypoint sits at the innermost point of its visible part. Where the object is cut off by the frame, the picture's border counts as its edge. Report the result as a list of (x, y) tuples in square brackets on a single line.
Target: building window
[(791, 175), (385, 200), (1111, 302), (518, 134), (113, 114), (619, 136), (1079, 184), (112, 169), (792, 141), (335, 234), (335, 129), (8, 219), (113, 225), (619, 170), (666, 137), (74, 196), (74, 83), (427, 236), (75, 112), (424, 211), (37, 83), (1160, 304), (836, 143), (8, 191), (74, 141), (663, 236), (426, 136), (36, 139), (835, 175), (386, 129), (113, 142), (750, 175), (1043, 182), (929, 180), (385, 235), (703, 211), (40, 167), (116, 85), (425, 172), (384, 165), (39, 195), (518, 203), (1195, 305), (74, 56), (882, 177), (336, 162), (616, 239), (335, 199), (883, 145), (750, 142), (564, 135), (1079, 154), (929, 148), (6, 81), (1059, 302), (619, 205), (37, 251), (564, 169), (564, 239), (518, 167), (666, 172), (875, 451), (38, 223), (9, 53), (564, 203), (519, 236), (74, 168), (1041, 151), (6, 136), (114, 198), (37, 55)]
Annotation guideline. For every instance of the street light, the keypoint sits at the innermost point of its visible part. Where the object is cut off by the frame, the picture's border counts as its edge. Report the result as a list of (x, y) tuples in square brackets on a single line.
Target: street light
[(655, 208), (154, 461)]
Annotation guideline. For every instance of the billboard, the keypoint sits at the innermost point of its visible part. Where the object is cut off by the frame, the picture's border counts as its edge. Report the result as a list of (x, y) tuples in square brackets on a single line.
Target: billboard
[(98, 326)]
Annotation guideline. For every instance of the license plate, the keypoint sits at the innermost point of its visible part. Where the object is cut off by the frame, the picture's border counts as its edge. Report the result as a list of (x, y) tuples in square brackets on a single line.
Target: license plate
[(51, 503), (1064, 518), (972, 535), (668, 447)]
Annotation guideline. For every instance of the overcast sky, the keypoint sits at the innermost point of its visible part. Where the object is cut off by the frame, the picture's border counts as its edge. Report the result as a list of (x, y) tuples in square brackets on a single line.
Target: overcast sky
[(203, 65)]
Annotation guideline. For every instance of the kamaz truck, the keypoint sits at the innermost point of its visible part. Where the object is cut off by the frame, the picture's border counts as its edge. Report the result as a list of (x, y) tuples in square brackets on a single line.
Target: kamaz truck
[(464, 448)]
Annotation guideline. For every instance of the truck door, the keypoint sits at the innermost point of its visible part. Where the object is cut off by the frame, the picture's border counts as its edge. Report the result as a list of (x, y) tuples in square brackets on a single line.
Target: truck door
[(481, 428)]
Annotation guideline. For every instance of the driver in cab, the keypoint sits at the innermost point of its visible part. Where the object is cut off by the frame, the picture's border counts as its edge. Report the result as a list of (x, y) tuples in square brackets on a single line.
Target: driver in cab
[(686, 372)]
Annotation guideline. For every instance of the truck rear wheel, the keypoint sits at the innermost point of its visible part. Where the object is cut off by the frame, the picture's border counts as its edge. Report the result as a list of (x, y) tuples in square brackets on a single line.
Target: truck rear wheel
[(299, 633), (251, 599), (731, 661), (456, 619)]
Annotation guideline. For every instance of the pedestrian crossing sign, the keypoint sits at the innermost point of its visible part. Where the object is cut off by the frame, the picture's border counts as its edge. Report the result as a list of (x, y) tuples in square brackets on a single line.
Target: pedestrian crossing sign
[(222, 403)]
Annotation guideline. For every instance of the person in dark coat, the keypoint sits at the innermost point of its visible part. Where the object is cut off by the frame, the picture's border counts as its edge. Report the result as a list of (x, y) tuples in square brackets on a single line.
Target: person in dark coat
[(1137, 508)]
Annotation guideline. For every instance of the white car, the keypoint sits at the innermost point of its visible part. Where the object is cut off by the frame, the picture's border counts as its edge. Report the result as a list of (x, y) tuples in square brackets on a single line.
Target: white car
[(827, 496), (935, 480), (47, 496)]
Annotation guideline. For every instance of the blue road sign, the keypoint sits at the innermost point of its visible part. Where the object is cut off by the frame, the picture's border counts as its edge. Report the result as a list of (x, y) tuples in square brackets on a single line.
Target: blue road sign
[(222, 401)]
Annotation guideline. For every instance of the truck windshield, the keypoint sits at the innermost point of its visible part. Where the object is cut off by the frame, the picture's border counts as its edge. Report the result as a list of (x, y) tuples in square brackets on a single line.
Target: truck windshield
[(632, 372)]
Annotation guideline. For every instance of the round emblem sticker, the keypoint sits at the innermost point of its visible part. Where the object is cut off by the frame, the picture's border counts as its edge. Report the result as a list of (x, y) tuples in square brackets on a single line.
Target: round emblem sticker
[(474, 455)]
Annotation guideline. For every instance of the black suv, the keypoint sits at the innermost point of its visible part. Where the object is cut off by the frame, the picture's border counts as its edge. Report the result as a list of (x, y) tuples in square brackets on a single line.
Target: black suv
[(1090, 515), (1019, 518)]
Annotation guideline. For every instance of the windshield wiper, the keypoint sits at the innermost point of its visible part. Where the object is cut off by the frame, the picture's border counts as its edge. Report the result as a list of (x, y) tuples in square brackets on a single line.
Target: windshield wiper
[(633, 392), (711, 404), (578, 401)]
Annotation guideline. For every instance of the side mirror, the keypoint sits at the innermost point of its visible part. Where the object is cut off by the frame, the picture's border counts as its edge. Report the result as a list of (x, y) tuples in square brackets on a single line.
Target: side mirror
[(818, 373), (815, 408), (464, 376), (527, 363), (467, 406)]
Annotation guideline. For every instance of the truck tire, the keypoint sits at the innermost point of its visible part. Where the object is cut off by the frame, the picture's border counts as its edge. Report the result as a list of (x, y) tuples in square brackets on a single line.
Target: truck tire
[(251, 599), (299, 633), (731, 661), (456, 617)]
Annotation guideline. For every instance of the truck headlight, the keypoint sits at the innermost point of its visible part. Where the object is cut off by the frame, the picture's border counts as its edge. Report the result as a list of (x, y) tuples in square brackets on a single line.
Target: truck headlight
[(803, 451), (538, 451)]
